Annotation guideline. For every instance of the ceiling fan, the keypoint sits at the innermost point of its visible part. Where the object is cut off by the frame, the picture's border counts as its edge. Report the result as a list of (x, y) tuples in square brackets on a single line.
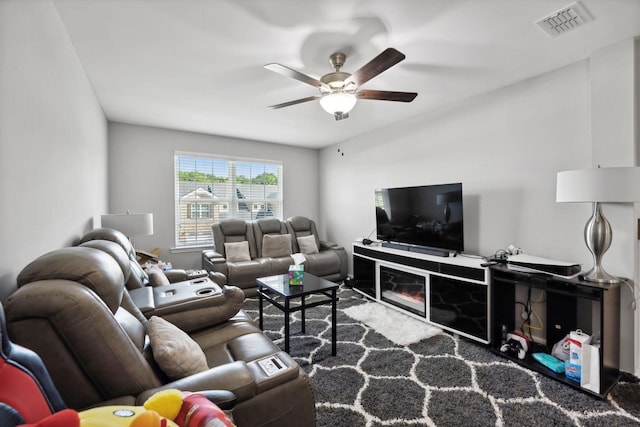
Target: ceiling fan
[(339, 91)]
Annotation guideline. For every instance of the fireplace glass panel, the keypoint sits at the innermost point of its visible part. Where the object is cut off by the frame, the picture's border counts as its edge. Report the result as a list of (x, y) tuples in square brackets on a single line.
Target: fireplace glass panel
[(403, 289), (459, 305), (364, 275)]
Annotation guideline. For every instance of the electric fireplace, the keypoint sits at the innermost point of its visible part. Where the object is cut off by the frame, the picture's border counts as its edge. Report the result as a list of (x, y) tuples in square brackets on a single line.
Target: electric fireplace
[(404, 290)]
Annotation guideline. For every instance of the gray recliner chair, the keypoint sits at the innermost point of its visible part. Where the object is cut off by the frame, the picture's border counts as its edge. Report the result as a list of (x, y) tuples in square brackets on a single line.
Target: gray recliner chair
[(138, 277), (330, 260), (190, 305), (239, 271), (266, 228), (70, 309)]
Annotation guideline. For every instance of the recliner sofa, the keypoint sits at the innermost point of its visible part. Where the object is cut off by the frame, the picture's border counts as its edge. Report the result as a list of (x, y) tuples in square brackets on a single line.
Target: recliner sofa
[(71, 308), (138, 277), (245, 250)]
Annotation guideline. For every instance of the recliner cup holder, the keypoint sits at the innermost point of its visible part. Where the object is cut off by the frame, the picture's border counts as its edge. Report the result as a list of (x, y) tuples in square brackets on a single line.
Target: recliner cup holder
[(205, 291)]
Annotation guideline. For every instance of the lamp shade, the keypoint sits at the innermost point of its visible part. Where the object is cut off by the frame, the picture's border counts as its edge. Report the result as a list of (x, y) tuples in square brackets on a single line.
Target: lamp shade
[(338, 102), (130, 224), (614, 185)]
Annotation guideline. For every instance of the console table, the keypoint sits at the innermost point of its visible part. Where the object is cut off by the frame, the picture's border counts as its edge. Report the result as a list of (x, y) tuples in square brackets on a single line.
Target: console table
[(449, 292), (569, 304)]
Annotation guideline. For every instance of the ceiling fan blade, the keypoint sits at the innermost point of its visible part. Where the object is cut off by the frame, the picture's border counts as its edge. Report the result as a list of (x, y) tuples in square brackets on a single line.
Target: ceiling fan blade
[(377, 65), (385, 95), (290, 72), (294, 102)]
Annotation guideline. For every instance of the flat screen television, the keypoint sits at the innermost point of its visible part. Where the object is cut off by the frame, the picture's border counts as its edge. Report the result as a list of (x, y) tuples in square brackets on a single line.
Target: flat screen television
[(421, 217)]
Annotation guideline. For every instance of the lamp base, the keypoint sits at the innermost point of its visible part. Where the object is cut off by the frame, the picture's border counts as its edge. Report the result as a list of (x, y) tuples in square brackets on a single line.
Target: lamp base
[(597, 236), (600, 276)]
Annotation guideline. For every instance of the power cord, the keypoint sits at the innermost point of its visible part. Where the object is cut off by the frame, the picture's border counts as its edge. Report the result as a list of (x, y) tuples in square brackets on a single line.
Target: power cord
[(633, 294), (528, 311), (500, 254), (503, 254), (367, 240)]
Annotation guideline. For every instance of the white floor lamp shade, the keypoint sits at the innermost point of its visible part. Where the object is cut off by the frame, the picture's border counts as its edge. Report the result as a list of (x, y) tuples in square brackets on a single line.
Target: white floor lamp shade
[(130, 224), (599, 185)]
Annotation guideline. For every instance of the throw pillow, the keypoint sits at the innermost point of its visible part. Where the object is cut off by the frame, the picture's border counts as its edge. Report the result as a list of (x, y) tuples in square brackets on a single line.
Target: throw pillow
[(276, 245), (175, 352), (308, 244), (237, 251)]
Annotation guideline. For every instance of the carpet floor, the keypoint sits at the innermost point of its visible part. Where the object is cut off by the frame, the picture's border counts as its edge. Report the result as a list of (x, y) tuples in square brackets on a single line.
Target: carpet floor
[(439, 381)]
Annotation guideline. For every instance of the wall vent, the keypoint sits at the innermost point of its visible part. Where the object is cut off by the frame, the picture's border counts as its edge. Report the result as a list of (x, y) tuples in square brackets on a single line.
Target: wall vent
[(566, 19)]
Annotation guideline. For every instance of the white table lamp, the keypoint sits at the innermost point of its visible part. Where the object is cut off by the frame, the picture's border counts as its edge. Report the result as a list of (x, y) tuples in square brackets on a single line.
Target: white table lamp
[(599, 185), (130, 224)]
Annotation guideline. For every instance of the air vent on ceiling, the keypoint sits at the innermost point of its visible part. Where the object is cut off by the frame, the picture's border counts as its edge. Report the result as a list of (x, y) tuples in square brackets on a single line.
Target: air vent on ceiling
[(566, 19)]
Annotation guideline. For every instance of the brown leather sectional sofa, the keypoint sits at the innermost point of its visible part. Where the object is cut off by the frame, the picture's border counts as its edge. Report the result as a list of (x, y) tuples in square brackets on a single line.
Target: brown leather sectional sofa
[(72, 308), (269, 245)]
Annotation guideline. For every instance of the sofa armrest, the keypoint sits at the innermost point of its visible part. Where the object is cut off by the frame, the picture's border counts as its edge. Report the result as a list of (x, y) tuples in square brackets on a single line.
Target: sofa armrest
[(211, 255), (177, 275), (326, 244), (235, 377), (342, 255), (214, 261), (245, 380), (289, 370), (157, 277), (224, 399), (203, 312), (189, 305), (143, 298)]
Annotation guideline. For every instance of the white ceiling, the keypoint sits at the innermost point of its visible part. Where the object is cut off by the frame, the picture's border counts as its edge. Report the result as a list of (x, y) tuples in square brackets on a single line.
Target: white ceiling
[(197, 65)]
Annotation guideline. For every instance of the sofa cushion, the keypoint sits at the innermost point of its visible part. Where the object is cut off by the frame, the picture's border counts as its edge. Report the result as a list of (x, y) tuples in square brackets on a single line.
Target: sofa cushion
[(244, 274), (308, 244), (237, 251), (276, 245), (176, 353)]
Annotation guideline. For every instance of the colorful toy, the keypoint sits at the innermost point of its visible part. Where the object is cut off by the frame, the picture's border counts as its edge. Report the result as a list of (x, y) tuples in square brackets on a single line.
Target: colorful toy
[(167, 408)]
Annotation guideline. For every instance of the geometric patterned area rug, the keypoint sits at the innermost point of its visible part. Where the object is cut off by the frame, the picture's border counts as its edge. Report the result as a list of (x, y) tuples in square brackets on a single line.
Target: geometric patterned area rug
[(440, 381)]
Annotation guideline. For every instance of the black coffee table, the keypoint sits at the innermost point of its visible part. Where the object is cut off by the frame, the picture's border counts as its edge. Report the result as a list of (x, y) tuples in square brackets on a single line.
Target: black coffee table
[(277, 290)]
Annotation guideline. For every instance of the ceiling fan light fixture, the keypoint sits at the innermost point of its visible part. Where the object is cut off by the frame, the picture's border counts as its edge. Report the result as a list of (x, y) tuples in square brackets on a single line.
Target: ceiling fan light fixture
[(338, 102), (339, 91)]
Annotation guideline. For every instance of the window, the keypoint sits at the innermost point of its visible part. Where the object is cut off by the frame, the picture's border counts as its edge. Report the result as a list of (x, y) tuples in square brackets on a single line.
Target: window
[(199, 210), (208, 189)]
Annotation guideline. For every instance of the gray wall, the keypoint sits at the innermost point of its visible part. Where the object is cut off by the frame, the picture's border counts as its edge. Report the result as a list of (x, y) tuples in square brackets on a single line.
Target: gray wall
[(506, 148), (53, 139), (141, 178)]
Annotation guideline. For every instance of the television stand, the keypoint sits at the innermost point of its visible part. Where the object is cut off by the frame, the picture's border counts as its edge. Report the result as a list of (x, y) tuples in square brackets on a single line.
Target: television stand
[(449, 292), (418, 249), (569, 304)]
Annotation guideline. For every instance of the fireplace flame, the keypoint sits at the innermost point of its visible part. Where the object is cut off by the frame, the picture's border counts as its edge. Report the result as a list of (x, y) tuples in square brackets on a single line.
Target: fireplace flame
[(410, 296)]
